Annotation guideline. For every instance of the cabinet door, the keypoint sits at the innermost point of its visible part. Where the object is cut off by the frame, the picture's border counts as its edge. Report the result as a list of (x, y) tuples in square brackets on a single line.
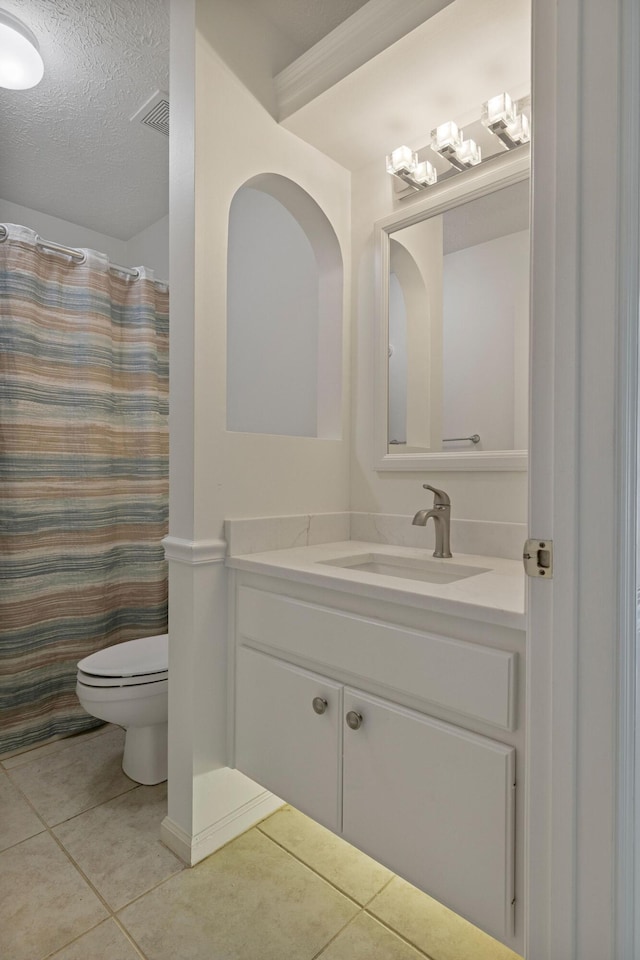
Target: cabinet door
[(282, 742), (435, 804)]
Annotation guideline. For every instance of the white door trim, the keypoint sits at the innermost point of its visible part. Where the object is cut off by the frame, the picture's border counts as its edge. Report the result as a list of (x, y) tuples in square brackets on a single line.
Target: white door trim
[(581, 639), (553, 479), (627, 879)]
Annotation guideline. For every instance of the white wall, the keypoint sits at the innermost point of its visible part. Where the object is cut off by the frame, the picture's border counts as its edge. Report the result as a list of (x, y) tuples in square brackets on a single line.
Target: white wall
[(477, 496), (486, 320), (63, 231), (397, 361), (252, 47), (215, 473), (248, 474), (416, 257), (149, 248)]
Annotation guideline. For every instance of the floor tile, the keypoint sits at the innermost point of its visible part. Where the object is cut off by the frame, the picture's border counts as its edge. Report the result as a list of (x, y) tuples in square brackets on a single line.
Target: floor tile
[(249, 901), (85, 774), (366, 939), (117, 845), (19, 757), (17, 819), (434, 929), (44, 902), (350, 870), (106, 942)]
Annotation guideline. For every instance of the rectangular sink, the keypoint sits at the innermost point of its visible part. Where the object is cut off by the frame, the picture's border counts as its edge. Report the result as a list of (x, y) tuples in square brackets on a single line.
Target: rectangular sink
[(408, 568)]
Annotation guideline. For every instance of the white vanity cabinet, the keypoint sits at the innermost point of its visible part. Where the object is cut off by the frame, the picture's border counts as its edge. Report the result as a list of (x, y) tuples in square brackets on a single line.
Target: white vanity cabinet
[(426, 795), (288, 733), (434, 803)]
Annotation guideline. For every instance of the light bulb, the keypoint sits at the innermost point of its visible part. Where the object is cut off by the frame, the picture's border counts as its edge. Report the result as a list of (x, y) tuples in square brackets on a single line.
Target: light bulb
[(498, 110), (402, 160), (21, 65), (469, 153), (446, 136), (519, 129), (425, 174)]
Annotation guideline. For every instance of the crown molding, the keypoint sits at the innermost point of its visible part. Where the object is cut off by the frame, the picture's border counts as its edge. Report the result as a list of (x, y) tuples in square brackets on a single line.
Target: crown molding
[(362, 36)]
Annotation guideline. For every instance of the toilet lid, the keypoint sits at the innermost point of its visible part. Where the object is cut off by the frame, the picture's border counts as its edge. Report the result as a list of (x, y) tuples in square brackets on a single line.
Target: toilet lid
[(139, 659)]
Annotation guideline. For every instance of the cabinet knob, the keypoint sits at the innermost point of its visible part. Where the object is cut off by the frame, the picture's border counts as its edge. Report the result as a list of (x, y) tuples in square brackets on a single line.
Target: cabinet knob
[(354, 720), (319, 704)]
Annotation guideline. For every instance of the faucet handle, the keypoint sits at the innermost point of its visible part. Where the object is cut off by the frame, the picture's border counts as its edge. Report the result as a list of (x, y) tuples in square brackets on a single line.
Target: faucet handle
[(440, 498)]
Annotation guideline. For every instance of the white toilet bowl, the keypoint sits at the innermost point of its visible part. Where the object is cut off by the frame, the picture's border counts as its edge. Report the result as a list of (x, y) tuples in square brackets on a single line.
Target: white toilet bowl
[(127, 684)]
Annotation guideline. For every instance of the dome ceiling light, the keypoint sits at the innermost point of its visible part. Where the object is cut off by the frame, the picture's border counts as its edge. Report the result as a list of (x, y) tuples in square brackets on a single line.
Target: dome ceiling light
[(21, 65)]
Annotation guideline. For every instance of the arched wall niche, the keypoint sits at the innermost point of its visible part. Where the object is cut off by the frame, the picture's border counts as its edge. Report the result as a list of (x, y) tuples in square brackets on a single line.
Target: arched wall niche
[(284, 313)]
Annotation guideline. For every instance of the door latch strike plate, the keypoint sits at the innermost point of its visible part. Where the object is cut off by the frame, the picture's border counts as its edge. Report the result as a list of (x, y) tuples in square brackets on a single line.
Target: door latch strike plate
[(538, 558)]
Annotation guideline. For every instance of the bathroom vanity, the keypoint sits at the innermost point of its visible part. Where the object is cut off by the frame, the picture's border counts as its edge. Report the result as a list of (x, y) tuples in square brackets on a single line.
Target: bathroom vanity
[(382, 692)]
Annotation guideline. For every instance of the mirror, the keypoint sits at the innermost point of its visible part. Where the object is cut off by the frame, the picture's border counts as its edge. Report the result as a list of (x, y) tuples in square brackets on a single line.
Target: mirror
[(454, 325)]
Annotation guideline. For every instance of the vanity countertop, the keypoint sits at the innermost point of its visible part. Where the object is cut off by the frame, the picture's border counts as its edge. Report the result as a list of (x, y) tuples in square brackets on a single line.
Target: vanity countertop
[(496, 596)]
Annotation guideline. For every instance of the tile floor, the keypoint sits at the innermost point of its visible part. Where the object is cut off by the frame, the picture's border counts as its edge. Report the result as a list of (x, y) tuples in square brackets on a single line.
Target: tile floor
[(83, 876)]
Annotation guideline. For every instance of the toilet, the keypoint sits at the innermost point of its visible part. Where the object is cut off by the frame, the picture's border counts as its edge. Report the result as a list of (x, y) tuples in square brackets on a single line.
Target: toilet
[(127, 684)]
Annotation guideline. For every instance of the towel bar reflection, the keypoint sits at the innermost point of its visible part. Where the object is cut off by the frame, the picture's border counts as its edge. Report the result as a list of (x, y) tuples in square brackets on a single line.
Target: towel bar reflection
[(475, 438)]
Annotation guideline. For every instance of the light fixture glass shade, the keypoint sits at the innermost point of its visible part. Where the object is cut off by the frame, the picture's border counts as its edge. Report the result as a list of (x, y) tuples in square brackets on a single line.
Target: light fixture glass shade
[(446, 136), (21, 65), (469, 153), (402, 160), (519, 130), (425, 174), (498, 110)]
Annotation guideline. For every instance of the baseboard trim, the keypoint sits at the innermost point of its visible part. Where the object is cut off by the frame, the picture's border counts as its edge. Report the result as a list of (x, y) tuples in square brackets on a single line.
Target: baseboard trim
[(193, 849)]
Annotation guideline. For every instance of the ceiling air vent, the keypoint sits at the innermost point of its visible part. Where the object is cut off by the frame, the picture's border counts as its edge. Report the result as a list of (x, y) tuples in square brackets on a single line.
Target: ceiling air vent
[(155, 113)]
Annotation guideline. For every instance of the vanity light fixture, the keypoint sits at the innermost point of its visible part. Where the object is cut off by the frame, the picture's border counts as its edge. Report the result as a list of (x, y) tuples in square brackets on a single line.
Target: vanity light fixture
[(499, 115), (21, 65), (403, 163)]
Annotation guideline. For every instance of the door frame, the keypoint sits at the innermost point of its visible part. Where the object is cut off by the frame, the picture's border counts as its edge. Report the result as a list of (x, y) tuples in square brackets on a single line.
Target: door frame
[(627, 854), (581, 743)]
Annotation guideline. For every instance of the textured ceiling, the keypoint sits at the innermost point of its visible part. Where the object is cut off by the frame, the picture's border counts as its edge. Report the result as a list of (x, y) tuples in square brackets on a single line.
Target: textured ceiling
[(67, 147), (307, 23)]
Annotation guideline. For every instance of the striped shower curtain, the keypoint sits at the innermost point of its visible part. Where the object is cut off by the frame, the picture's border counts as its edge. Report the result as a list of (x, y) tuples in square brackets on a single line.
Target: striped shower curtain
[(83, 476)]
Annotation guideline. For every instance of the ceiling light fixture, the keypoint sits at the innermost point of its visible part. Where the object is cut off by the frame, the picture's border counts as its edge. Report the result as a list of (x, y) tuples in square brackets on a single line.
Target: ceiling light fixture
[(21, 65), (500, 116)]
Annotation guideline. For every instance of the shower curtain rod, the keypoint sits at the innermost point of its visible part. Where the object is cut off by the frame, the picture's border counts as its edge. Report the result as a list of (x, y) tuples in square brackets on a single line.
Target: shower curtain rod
[(71, 252)]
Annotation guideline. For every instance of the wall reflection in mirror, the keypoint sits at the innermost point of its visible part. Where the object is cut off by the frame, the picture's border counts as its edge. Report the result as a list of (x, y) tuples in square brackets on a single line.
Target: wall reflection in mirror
[(459, 327)]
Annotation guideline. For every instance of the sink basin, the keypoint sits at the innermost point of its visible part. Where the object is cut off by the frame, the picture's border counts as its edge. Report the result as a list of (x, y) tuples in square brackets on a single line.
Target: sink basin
[(408, 568)]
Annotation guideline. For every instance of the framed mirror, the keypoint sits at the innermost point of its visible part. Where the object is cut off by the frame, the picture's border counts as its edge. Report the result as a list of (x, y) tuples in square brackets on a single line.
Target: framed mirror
[(453, 324)]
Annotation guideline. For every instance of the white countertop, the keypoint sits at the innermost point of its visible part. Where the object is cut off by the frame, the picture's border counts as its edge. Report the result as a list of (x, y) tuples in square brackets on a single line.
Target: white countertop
[(497, 596)]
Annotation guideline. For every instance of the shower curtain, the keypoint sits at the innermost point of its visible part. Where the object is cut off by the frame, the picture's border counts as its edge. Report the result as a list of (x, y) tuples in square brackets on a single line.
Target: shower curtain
[(83, 476)]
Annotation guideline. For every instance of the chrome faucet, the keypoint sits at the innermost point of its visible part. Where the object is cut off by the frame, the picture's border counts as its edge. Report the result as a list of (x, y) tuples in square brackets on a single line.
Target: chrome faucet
[(441, 514)]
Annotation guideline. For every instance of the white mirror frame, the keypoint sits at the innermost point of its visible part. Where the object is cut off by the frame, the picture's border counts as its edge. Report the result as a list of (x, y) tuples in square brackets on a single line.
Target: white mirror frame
[(503, 171)]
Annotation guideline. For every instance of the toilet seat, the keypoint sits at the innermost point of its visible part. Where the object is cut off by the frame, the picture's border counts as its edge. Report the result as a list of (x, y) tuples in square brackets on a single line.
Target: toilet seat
[(132, 663), (91, 680)]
